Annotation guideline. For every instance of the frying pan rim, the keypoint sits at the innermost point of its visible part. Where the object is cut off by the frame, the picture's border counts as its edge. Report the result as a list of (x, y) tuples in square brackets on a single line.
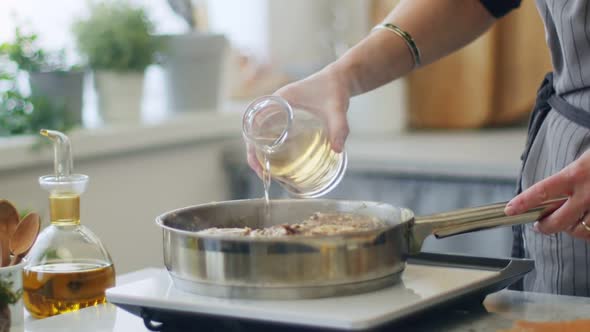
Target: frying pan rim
[(288, 239)]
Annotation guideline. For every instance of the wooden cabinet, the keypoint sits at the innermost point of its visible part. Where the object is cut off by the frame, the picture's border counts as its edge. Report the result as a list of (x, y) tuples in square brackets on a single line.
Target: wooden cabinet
[(491, 82)]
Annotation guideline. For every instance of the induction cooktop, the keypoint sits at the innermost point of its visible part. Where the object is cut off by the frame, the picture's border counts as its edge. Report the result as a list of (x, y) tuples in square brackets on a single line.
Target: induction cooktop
[(430, 280)]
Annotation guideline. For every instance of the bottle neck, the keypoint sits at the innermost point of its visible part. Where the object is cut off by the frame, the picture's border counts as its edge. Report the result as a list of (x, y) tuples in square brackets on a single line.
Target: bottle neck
[(64, 209)]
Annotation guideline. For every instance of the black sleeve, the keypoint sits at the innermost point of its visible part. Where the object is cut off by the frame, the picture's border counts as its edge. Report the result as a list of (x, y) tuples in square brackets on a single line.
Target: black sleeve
[(499, 8)]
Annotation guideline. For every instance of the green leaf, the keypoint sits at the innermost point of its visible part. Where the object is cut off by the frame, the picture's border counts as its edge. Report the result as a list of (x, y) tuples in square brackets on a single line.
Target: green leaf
[(29, 56), (116, 37), (27, 115), (7, 294)]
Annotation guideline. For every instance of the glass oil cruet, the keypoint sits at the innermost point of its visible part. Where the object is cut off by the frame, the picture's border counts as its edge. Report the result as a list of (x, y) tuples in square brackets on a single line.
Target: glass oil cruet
[(68, 268)]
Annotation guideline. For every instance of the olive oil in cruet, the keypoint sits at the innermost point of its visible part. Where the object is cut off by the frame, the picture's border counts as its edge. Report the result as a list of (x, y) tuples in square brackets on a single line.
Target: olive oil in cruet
[(68, 268)]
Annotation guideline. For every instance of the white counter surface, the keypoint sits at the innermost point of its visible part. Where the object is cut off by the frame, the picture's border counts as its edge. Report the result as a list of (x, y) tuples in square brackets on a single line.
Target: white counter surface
[(481, 154), (501, 310)]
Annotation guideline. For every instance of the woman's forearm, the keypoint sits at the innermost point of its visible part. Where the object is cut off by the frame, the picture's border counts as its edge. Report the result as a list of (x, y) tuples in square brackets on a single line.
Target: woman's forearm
[(438, 28)]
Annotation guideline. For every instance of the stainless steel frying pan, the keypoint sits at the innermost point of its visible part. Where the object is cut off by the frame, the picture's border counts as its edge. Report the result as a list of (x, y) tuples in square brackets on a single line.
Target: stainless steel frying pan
[(307, 267)]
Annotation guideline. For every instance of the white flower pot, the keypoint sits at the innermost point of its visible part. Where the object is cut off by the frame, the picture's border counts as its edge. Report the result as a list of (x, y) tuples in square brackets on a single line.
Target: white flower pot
[(119, 96), (194, 66)]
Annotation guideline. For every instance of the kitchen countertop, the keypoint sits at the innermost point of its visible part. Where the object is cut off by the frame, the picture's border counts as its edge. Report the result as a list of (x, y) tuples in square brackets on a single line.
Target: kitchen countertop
[(491, 154), (500, 311)]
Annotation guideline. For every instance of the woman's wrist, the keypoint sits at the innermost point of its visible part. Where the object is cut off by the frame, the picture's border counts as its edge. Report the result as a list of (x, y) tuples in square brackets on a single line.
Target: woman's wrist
[(377, 60), (342, 72)]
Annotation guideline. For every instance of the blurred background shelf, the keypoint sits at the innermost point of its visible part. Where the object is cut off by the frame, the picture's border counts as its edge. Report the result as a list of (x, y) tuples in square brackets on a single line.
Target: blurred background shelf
[(23, 151)]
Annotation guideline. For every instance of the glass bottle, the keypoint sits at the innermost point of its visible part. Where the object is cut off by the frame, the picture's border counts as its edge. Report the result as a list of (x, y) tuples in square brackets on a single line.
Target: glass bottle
[(68, 268), (292, 145)]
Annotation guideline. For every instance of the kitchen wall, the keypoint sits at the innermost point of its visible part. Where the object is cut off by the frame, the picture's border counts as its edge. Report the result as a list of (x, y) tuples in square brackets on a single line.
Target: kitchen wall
[(296, 36)]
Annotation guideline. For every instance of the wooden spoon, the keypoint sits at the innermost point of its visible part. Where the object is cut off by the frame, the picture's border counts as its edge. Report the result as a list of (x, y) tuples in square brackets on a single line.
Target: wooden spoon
[(8, 222), (24, 237)]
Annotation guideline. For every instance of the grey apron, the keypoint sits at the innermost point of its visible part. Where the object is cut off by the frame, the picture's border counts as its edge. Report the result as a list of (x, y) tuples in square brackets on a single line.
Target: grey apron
[(559, 132)]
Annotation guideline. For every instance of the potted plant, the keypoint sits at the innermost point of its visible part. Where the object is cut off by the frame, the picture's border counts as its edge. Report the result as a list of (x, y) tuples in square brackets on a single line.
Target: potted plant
[(50, 77), (117, 43), (194, 64), (22, 115), (10, 293)]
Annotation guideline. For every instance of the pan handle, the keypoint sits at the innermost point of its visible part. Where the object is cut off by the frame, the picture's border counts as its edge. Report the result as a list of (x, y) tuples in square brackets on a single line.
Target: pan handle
[(475, 219)]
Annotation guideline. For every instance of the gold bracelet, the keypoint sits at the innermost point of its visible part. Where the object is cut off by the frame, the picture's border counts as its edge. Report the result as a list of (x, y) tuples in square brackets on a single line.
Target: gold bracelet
[(407, 38)]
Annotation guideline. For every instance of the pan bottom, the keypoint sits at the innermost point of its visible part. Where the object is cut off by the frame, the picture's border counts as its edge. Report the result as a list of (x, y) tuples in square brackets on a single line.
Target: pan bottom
[(284, 293)]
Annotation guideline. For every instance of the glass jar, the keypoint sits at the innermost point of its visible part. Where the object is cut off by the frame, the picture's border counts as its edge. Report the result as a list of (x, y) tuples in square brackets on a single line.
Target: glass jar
[(293, 145)]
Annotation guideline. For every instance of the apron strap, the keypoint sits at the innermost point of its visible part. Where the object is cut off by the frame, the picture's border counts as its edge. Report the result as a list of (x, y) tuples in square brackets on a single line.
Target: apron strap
[(540, 111), (572, 113)]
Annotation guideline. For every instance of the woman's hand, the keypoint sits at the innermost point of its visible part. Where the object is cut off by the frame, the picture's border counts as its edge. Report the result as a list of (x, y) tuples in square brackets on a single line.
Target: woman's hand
[(325, 94), (572, 181)]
